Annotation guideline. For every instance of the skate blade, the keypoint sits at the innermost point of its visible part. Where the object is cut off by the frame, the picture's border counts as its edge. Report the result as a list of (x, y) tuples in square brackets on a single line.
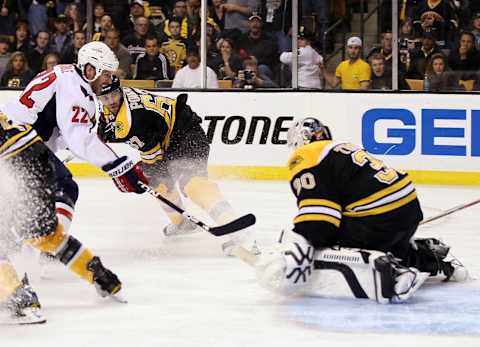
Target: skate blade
[(31, 316), (119, 298)]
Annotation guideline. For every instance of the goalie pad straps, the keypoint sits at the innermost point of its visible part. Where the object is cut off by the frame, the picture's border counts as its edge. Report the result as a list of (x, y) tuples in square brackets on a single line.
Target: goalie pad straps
[(365, 274)]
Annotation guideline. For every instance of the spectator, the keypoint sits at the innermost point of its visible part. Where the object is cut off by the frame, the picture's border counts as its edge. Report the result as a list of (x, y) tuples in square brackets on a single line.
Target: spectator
[(190, 75), (157, 23), (4, 54), (251, 77), (112, 40), (106, 24), (152, 65), (381, 76), (237, 13), (135, 42), (180, 14), (465, 59), (21, 42), (476, 29), (227, 63), (39, 52), (439, 76), (50, 60), (419, 57), (7, 20), (175, 49), (17, 74), (70, 55), (217, 13), (74, 18), (62, 37), (385, 49), (309, 62), (351, 74), (256, 43), (37, 17), (98, 13)]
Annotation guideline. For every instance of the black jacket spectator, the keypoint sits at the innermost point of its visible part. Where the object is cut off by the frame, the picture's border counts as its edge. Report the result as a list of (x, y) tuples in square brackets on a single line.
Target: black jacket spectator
[(152, 67), (17, 74), (465, 59)]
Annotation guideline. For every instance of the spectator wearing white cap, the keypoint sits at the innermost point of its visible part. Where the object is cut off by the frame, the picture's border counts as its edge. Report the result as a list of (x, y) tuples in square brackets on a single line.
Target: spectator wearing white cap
[(353, 73)]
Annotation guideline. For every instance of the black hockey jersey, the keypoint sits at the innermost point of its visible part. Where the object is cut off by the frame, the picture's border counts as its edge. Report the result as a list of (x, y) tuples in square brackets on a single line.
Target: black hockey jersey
[(336, 182), (147, 122)]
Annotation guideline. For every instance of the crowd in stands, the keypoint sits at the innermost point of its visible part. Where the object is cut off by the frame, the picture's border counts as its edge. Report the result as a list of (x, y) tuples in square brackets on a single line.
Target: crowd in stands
[(249, 42)]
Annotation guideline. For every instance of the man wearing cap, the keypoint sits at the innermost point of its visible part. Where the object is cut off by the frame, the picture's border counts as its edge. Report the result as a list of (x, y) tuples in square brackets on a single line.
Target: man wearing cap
[(351, 74), (256, 43), (62, 37)]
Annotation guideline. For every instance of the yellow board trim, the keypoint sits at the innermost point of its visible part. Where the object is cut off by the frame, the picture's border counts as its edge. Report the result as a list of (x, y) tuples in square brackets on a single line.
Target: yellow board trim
[(384, 208), (320, 202), (280, 173), (316, 218)]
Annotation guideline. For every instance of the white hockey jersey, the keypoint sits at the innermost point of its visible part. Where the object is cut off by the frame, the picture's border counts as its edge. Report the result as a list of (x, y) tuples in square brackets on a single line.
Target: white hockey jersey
[(60, 106)]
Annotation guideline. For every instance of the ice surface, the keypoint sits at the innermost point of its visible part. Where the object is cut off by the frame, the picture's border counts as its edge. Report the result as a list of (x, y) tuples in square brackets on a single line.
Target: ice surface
[(184, 292)]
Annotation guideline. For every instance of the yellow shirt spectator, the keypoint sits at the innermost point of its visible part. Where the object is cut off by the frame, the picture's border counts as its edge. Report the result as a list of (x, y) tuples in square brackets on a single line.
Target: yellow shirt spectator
[(351, 74)]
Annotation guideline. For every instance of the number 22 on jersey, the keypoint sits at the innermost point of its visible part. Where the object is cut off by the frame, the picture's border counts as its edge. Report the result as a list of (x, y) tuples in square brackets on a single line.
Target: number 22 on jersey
[(80, 115)]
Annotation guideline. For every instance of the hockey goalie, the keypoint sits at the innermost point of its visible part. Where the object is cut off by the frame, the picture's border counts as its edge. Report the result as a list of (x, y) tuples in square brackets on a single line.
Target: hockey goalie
[(353, 235)]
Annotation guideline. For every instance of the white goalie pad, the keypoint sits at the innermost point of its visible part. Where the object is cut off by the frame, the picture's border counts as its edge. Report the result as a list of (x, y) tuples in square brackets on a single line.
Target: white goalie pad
[(358, 273)]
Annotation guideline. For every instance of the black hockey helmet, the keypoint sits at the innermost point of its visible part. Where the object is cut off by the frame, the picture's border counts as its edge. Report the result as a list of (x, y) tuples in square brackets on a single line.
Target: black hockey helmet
[(305, 131), (114, 85)]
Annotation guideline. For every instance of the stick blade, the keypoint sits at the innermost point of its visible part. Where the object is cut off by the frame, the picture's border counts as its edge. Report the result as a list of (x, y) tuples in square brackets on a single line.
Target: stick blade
[(235, 225)]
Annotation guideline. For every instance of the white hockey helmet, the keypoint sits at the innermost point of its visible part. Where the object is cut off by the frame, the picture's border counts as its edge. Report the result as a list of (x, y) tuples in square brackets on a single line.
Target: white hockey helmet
[(99, 55), (305, 131)]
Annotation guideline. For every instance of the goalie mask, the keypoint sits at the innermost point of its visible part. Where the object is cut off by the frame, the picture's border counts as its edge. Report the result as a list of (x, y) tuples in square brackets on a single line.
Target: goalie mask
[(111, 96), (305, 131)]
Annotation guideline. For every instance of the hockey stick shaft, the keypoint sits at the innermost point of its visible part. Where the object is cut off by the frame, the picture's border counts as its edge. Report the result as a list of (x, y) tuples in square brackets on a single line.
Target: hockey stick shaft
[(450, 211), (235, 225)]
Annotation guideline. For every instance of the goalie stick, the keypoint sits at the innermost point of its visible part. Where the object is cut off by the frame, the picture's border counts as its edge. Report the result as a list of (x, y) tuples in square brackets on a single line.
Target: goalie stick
[(235, 225)]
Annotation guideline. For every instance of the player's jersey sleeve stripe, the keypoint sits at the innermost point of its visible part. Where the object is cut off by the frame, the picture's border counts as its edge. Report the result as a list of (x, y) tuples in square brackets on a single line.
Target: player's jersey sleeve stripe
[(317, 218), (18, 141), (319, 202), (320, 210), (400, 185), (383, 208)]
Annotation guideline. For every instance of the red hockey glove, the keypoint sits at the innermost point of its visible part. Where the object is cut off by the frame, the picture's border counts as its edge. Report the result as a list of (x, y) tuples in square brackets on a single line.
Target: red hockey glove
[(126, 175)]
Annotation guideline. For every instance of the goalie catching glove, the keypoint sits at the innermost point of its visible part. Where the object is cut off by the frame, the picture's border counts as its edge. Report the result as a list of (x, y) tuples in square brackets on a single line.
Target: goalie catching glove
[(126, 175)]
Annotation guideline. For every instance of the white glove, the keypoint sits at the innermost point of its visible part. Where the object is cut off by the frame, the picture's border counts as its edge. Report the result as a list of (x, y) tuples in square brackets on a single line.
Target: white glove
[(287, 268)]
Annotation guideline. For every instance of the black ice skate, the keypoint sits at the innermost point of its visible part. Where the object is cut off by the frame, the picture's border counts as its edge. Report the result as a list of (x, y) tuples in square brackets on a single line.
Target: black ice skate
[(24, 306), (105, 281)]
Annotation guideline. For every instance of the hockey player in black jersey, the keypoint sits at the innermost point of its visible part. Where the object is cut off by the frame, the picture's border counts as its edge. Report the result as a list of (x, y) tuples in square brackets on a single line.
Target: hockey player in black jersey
[(173, 148), (367, 211)]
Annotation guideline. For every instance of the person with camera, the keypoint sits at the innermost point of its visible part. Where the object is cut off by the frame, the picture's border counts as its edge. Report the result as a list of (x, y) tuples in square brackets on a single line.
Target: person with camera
[(250, 77)]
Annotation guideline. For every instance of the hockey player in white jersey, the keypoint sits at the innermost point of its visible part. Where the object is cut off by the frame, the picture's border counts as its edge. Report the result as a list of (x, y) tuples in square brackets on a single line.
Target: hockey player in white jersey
[(56, 110)]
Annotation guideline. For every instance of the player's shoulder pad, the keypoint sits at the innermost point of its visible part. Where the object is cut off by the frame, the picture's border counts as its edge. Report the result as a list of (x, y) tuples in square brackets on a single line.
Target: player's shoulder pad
[(308, 156)]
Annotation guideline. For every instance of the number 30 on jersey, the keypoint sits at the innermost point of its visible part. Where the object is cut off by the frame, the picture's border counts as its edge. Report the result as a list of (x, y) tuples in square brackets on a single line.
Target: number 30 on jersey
[(305, 181)]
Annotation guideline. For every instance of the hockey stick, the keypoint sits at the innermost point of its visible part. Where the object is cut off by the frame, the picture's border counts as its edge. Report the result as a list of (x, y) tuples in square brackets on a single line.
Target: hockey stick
[(450, 211), (235, 225)]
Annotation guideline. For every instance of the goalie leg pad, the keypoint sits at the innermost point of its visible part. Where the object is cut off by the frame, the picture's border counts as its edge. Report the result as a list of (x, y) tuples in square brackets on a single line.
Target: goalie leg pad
[(8, 279), (366, 274)]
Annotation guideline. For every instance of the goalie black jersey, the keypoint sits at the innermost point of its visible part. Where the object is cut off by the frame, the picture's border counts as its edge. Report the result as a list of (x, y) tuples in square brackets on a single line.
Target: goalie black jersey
[(147, 122), (338, 182)]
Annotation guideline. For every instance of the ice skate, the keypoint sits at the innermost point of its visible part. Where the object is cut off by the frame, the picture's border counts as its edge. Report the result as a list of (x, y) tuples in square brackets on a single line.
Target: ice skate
[(184, 228), (24, 306), (105, 281)]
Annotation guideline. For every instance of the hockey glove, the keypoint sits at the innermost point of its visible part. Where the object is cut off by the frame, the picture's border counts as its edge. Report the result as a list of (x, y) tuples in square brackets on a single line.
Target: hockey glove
[(287, 268), (126, 175), (106, 129)]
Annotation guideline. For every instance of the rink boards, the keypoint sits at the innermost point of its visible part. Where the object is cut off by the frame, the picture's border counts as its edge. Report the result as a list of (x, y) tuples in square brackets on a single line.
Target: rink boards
[(435, 137)]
